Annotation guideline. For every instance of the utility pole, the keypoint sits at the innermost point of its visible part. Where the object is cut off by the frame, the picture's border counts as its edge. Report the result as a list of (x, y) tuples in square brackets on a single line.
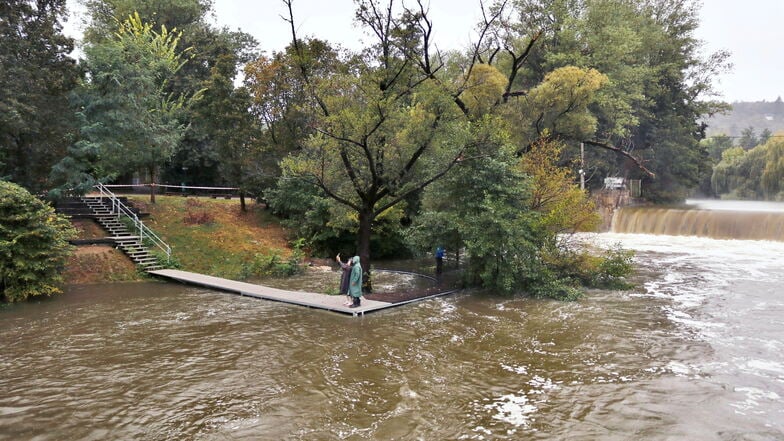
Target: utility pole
[(582, 166)]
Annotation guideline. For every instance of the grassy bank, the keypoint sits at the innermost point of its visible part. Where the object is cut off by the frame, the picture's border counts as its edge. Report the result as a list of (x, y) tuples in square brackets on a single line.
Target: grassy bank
[(209, 236)]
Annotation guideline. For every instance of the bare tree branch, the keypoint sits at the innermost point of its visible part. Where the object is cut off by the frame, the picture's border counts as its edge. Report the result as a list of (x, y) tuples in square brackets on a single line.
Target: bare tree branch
[(620, 151), (301, 58)]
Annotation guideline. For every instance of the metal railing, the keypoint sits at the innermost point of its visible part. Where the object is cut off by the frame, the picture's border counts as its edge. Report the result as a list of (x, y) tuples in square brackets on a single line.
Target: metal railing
[(120, 209)]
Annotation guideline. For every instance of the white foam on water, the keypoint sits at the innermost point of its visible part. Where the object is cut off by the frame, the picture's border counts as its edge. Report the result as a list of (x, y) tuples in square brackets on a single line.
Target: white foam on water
[(753, 398), (512, 409), (522, 370)]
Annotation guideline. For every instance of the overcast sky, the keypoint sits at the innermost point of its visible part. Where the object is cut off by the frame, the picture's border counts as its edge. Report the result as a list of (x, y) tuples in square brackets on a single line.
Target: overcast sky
[(752, 30)]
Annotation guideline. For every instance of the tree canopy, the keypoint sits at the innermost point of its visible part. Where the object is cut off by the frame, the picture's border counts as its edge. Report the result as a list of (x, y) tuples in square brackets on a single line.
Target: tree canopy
[(129, 121), (36, 75)]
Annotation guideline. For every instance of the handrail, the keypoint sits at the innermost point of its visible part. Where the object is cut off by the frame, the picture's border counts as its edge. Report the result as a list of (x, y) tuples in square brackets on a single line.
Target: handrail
[(144, 231)]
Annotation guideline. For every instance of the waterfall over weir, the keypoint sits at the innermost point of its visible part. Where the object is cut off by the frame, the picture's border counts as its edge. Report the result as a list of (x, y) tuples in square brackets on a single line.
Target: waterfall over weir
[(714, 219)]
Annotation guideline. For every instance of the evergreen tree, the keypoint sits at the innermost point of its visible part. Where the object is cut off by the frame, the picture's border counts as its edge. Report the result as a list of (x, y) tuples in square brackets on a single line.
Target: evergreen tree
[(36, 76)]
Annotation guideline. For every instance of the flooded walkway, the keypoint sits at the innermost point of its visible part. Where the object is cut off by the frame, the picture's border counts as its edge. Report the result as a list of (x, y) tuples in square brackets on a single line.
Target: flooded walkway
[(309, 299)]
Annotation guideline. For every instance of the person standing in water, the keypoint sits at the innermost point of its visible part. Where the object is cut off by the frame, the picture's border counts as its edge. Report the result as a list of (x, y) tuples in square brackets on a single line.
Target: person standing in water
[(344, 278), (355, 282)]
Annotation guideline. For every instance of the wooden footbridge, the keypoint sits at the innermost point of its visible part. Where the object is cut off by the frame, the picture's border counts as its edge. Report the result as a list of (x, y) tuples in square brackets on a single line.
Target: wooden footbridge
[(309, 299)]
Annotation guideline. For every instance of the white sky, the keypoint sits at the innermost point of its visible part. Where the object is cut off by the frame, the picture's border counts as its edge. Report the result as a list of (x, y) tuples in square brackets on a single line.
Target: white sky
[(751, 30)]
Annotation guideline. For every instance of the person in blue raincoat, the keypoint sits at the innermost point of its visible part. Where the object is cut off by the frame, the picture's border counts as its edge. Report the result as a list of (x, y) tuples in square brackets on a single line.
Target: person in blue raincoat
[(440, 251), (355, 282)]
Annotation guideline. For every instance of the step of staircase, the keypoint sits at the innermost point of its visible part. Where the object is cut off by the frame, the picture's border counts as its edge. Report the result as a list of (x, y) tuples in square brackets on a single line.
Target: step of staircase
[(101, 210)]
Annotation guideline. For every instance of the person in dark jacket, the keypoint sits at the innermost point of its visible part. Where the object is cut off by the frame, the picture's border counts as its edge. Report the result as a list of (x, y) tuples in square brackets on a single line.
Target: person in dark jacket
[(344, 278)]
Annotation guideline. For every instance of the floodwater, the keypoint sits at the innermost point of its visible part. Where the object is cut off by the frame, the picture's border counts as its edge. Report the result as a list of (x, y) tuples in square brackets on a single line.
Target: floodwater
[(695, 353)]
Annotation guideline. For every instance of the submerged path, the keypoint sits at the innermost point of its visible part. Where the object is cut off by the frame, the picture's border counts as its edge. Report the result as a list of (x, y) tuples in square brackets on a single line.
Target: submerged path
[(309, 299)]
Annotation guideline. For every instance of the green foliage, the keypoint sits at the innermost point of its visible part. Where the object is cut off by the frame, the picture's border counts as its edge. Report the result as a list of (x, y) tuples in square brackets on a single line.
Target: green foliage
[(36, 75), (326, 227), (773, 174), (655, 92), (481, 208), (560, 104), (505, 214), (33, 245), (608, 270), (748, 138), (754, 174), (565, 208), (202, 157), (223, 112), (738, 175), (129, 120), (716, 146), (274, 265), (484, 88), (614, 268), (283, 101)]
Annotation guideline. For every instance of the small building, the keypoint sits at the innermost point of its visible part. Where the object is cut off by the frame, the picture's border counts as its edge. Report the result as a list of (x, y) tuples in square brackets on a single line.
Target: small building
[(614, 183)]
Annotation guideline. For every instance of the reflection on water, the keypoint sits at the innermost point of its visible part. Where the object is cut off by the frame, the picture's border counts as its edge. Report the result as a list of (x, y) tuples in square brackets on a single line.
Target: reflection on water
[(695, 353)]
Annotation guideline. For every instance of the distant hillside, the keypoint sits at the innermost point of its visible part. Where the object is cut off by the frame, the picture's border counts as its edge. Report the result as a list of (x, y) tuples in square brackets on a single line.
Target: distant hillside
[(760, 115)]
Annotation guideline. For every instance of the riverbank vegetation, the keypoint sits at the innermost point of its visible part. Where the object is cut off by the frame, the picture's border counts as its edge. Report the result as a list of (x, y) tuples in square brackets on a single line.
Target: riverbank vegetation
[(755, 173), (214, 236), (388, 151), (33, 245)]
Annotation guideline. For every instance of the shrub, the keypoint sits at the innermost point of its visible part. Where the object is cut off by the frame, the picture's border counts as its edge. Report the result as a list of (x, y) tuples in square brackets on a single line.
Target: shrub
[(196, 213), (273, 264), (33, 245)]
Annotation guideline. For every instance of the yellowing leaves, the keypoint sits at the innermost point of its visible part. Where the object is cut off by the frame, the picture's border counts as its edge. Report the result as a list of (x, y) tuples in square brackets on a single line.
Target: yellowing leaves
[(560, 102), (484, 88), (565, 207)]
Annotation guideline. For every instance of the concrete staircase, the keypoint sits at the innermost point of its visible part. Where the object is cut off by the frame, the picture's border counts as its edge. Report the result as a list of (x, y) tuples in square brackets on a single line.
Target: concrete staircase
[(124, 238), (129, 244)]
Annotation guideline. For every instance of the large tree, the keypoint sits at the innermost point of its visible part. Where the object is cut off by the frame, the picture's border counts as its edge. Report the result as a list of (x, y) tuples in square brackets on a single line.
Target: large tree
[(281, 99), (384, 127), (224, 113), (199, 157), (130, 122), (36, 76), (656, 91)]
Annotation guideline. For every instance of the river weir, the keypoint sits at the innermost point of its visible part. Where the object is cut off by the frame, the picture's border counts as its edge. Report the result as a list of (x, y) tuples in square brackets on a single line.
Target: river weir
[(694, 352), (744, 220)]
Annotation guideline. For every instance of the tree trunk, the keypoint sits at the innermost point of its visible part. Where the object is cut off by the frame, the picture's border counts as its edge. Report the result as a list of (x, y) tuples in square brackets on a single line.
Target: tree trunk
[(363, 248), (152, 185), (242, 201)]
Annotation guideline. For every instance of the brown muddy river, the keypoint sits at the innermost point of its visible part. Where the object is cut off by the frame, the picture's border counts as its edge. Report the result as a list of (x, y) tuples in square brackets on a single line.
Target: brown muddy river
[(695, 353)]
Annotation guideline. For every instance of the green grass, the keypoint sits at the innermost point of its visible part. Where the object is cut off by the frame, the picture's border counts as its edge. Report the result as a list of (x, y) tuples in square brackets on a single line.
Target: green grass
[(212, 236)]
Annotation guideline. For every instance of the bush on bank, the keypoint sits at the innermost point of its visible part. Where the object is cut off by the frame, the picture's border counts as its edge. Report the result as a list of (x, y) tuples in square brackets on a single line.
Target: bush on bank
[(33, 245)]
